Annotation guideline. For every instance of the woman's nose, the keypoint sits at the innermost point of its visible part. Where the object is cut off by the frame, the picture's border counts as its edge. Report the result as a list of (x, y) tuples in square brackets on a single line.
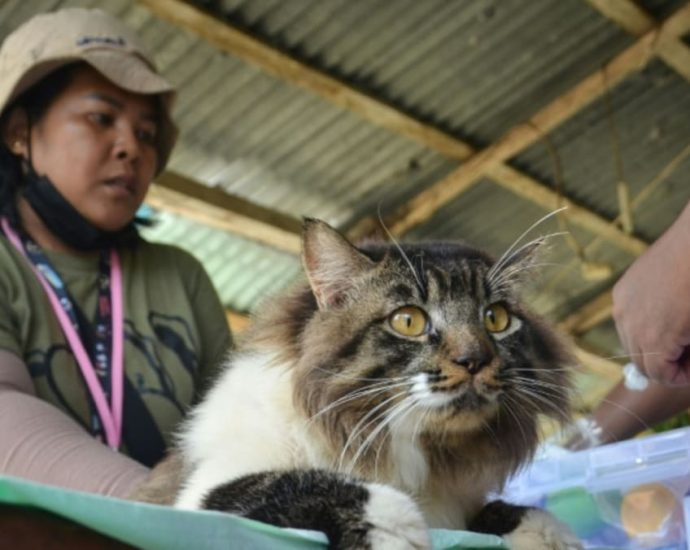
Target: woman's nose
[(126, 143)]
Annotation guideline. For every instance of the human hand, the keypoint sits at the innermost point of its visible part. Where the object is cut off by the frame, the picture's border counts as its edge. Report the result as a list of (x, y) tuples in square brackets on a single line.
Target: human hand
[(651, 306)]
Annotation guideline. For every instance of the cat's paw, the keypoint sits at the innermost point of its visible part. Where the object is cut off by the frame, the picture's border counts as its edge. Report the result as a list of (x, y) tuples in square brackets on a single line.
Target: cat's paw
[(539, 530), (396, 521)]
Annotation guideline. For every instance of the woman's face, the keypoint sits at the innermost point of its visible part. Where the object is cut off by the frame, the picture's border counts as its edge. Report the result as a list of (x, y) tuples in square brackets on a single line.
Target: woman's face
[(97, 144)]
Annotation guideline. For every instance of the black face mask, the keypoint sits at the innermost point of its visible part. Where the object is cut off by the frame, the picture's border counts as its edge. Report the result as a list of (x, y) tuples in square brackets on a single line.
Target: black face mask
[(65, 222)]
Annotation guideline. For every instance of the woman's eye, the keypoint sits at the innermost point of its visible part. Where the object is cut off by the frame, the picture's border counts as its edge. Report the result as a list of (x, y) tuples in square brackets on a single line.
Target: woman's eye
[(496, 318), (102, 119), (409, 321), (147, 136)]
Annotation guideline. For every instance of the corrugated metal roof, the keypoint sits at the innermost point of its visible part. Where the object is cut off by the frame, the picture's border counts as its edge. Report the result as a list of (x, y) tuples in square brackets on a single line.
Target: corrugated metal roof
[(243, 271), (660, 9), (651, 110), (474, 69), (493, 218), (457, 64)]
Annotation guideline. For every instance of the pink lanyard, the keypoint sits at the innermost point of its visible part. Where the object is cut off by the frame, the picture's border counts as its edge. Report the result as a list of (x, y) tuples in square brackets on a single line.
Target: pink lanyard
[(111, 415)]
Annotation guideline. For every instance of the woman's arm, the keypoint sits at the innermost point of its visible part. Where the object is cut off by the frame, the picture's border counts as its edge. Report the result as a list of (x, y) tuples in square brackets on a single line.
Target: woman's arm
[(623, 413), (41, 443)]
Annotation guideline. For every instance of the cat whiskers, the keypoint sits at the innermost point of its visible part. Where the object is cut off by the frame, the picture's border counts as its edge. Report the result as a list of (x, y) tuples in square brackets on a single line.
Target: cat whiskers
[(422, 287), (631, 356), (358, 378), (531, 391), (370, 391), (497, 279), (422, 415), (629, 411), (363, 424), (510, 252), (487, 427), (405, 406), (547, 369), (510, 402), (530, 384)]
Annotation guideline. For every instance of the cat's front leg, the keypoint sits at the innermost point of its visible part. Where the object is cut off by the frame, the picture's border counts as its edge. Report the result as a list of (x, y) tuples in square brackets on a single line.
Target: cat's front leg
[(352, 514), (524, 528)]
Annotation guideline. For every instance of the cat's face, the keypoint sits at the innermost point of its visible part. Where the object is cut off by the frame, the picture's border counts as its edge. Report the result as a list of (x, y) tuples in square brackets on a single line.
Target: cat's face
[(432, 340)]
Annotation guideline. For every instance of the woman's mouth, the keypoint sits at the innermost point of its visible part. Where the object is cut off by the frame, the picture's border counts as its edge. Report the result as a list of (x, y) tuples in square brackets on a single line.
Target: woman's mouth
[(125, 185)]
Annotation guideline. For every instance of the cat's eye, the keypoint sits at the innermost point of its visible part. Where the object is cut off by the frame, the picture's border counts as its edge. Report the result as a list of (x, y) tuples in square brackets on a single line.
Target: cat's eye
[(409, 321), (496, 318)]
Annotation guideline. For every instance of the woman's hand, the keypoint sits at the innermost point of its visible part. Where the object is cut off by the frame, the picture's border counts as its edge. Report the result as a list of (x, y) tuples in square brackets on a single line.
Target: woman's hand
[(651, 306)]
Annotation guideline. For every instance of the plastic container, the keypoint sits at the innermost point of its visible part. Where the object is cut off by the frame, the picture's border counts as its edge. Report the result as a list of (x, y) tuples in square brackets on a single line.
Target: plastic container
[(628, 495)]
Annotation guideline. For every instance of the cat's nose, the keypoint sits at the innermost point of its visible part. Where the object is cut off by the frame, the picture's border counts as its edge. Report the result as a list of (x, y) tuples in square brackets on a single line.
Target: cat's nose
[(474, 361)]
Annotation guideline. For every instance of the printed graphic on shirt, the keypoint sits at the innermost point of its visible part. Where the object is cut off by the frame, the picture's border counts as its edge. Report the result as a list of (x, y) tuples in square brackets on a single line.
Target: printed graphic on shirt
[(161, 365)]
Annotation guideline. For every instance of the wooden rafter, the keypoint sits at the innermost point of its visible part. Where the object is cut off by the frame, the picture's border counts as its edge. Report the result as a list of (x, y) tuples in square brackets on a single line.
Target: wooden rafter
[(239, 44), (605, 368), (627, 15), (213, 207), (633, 19), (607, 374), (517, 139), (512, 179), (659, 41), (588, 316), (216, 208), (600, 308), (238, 322), (228, 39)]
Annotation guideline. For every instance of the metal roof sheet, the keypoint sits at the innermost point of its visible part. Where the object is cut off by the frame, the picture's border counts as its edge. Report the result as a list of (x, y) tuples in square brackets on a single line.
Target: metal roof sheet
[(474, 69)]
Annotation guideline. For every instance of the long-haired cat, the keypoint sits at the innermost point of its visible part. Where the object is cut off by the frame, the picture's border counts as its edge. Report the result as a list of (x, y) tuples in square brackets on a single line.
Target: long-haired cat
[(392, 393)]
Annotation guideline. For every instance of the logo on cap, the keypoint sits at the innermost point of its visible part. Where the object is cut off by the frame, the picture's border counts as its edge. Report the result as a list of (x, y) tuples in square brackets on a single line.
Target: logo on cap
[(103, 40)]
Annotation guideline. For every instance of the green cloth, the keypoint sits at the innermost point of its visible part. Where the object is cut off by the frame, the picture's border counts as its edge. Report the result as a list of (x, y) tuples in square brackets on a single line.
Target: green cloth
[(152, 527), (176, 331)]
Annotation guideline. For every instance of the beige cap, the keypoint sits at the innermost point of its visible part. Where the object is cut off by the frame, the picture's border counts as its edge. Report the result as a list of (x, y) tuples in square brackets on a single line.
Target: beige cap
[(49, 41)]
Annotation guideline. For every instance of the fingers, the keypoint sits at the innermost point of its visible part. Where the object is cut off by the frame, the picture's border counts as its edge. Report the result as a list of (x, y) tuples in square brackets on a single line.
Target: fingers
[(668, 372)]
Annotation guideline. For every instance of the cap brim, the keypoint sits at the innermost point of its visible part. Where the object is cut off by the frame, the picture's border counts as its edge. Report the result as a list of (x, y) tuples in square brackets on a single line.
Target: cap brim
[(127, 71)]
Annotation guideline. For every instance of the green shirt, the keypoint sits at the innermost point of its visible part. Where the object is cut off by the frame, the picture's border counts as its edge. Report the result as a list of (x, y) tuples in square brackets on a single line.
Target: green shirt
[(176, 332)]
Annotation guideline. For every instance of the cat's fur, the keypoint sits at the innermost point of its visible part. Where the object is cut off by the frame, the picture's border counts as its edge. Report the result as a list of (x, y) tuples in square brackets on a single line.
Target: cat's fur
[(328, 418)]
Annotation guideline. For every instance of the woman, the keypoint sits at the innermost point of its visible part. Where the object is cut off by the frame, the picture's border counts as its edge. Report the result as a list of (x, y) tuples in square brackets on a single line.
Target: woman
[(105, 339)]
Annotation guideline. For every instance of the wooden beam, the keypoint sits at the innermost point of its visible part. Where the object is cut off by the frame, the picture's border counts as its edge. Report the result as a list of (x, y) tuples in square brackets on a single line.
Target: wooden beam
[(599, 309), (676, 55), (218, 197), (277, 63), (515, 181), (588, 316), (599, 377), (631, 60), (238, 322), (214, 207), (634, 20), (627, 15), (527, 188), (605, 368), (248, 48)]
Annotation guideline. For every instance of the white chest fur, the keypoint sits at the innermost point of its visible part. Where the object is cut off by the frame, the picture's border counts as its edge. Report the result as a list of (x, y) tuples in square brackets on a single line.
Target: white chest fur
[(248, 424), (412, 470)]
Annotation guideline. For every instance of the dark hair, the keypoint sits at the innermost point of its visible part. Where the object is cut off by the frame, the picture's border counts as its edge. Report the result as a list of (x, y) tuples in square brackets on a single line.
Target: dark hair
[(35, 102)]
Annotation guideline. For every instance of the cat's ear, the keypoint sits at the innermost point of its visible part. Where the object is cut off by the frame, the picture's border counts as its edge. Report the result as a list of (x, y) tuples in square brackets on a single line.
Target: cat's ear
[(331, 263)]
